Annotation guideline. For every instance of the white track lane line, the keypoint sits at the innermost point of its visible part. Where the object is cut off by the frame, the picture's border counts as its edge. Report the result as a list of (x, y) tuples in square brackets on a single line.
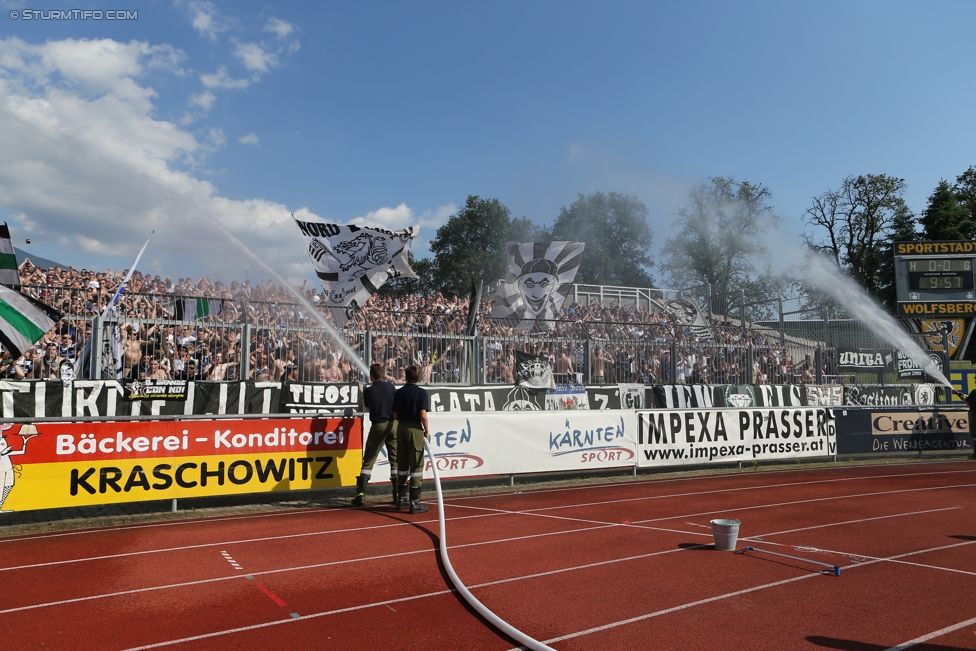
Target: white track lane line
[(674, 609), (931, 636), (311, 566), (599, 525), (463, 506), (818, 499), (410, 598), (220, 519), (532, 512), (858, 521), (675, 480), (640, 523), (243, 629)]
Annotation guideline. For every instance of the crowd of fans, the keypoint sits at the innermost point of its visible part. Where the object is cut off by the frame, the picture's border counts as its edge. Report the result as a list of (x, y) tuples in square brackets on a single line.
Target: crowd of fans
[(285, 339)]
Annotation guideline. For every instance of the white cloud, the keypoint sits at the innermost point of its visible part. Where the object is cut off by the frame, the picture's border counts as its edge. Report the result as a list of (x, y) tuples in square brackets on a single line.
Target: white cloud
[(216, 137), (87, 168), (403, 216), (94, 67), (249, 139), (221, 79), (86, 164), (255, 58), (206, 20), (281, 28), (204, 100)]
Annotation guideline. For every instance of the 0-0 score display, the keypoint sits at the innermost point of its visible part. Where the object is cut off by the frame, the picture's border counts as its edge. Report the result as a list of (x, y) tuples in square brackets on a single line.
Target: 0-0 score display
[(935, 278)]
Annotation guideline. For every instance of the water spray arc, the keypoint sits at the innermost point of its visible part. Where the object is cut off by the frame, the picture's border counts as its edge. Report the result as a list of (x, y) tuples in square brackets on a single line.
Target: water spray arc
[(312, 310), (830, 280)]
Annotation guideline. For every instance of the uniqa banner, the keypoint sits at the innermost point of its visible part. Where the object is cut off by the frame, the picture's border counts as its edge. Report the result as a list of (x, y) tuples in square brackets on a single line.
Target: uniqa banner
[(55, 465), (865, 360), (694, 437), (472, 444)]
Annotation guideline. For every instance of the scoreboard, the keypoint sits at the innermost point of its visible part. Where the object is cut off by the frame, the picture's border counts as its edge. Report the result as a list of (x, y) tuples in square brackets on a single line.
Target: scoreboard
[(935, 279)]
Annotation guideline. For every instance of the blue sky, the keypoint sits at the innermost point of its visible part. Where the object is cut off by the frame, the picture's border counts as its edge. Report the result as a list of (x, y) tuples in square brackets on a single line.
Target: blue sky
[(394, 112)]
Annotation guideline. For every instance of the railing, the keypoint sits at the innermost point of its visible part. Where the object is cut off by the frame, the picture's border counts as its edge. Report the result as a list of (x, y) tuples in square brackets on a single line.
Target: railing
[(276, 340)]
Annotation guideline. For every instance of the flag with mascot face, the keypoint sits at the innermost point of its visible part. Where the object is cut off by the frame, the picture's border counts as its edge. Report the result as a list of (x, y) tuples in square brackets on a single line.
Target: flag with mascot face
[(537, 282)]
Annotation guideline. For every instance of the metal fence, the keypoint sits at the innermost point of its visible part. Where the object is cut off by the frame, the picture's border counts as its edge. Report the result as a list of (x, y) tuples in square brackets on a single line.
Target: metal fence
[(780, 341)]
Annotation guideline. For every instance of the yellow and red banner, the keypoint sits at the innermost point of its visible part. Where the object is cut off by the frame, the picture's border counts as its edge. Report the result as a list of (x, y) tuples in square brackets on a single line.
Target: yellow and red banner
[(52, 465)]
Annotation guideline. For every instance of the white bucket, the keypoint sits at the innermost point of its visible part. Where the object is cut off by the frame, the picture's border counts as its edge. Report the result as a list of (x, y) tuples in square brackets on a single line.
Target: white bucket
[(725, 533)]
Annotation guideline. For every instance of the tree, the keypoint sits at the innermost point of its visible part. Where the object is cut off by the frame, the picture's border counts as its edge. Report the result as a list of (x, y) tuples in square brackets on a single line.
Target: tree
[(945, 218), (965, 189), (471, 245), (854, 224), (618, 239), (904, 228), (720, 241)]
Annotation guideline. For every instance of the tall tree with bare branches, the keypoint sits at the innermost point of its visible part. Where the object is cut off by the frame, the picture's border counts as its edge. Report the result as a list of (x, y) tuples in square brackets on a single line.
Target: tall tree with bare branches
[(853, 225)]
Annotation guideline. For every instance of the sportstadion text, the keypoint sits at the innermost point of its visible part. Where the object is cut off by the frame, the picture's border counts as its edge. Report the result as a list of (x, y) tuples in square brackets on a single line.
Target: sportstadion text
[(74, 14)]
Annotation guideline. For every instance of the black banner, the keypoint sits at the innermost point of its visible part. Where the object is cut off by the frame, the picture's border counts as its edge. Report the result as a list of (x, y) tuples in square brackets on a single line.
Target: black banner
[(890, 396), (894, 431), (866, 360), (486, 398), (309, 398)]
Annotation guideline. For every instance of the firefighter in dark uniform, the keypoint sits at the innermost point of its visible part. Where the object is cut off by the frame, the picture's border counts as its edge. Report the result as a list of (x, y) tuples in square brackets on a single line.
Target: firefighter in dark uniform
[(378, 399), (410, 406), (971, 401)]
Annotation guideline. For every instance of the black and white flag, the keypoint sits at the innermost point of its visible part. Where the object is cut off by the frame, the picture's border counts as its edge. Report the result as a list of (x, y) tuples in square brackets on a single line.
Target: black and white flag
[(537, 281), (9, 273), (533, 371), (352, 262)]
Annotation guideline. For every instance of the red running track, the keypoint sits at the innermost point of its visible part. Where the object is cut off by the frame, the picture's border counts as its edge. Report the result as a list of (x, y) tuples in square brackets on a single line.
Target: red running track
[(615, 566)]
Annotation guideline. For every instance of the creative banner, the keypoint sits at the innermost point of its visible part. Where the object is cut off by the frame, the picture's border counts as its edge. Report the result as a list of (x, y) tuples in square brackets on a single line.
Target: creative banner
[(76, 464), (352, 262), (894, 431), (472, 444), (307, 398), (865, 360), (694, 437), (537, 281)]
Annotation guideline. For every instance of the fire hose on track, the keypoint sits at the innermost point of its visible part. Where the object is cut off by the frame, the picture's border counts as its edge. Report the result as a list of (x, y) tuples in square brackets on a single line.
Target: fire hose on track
[(498, 622)]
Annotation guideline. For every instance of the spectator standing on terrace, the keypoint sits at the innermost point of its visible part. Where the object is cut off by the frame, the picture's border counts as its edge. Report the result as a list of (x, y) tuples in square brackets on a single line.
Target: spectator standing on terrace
[(66, 348), (410, 406), (332, 371), (597, 363), (563, 368), (378, 400)]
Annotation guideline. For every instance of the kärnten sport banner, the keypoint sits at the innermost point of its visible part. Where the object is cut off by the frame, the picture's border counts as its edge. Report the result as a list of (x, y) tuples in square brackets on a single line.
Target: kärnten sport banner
[(54, 465), (695, 437)]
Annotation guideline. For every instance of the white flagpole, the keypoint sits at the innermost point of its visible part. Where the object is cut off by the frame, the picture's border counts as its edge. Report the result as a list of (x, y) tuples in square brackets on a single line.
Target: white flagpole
[(118, 292)]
